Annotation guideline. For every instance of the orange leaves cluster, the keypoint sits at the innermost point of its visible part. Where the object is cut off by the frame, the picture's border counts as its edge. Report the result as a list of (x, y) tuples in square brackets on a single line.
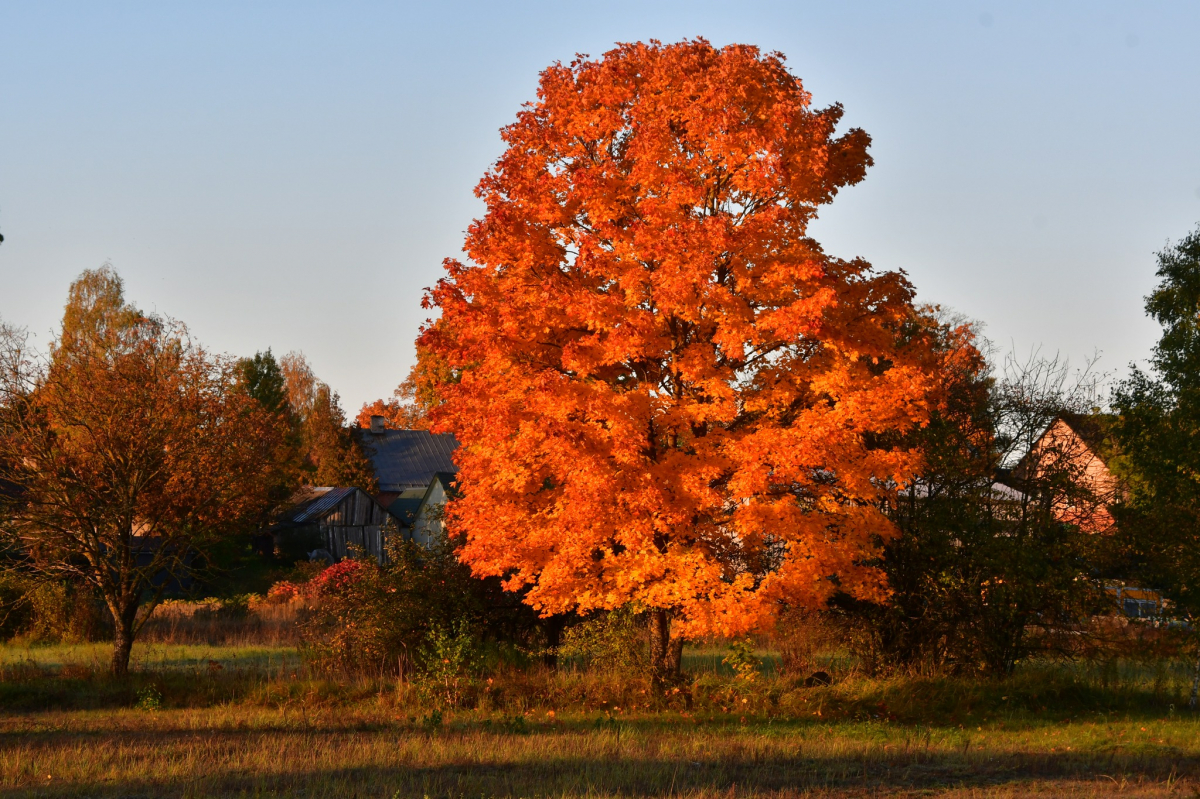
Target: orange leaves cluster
[(666, 393), (127, 452), (396, 415), (143, 432)]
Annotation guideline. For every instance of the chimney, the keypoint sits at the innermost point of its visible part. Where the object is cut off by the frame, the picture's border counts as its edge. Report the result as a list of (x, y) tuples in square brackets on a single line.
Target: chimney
[(378, 424)]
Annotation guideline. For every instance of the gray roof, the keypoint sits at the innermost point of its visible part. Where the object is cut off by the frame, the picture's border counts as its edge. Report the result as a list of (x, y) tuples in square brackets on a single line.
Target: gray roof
[(405, 459), (405, 509), (311, 503)]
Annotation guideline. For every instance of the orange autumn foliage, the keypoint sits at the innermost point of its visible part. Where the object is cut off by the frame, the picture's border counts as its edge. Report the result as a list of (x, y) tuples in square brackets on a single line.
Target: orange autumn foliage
[(667, 394), (396, 415), (132, 455)]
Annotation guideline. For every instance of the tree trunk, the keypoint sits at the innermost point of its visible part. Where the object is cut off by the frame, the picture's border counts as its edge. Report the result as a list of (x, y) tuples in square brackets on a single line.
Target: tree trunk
[(553, 628), (666, 654), (123, 638), (675, 656)]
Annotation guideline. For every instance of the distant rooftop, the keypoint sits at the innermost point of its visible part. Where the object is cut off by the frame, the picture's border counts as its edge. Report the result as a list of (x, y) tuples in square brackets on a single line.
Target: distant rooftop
[(407, 459)]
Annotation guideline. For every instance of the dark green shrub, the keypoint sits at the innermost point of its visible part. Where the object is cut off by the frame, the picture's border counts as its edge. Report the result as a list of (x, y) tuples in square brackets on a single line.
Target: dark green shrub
[(48, 611), (449, 660), (987, 569)]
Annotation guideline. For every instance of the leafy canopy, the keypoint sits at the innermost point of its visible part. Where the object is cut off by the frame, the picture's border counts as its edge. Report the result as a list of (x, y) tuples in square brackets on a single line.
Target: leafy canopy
[(328, 451), (96, 310), (262, 379), (665, 392), (1158, 428), (131, 450)]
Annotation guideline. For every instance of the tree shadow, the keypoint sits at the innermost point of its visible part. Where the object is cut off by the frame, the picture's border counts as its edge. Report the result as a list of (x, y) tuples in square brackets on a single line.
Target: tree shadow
[(611, 772)]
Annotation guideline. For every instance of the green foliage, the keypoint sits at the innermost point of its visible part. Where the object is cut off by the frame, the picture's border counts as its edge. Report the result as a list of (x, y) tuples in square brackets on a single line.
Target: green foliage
[(515, 725), (1175, 304), (261, 378), (96, 308), (333, 454), (64, 613), (741, 658), (238, 605), (1158, 429), (614, 640), (149, 698), (450, 659), (47, 611), (327, 450), (985, 574), (315, 445)]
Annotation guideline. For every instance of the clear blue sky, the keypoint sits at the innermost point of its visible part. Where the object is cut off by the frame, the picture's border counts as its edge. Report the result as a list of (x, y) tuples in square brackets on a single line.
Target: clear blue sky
[(290, 175)]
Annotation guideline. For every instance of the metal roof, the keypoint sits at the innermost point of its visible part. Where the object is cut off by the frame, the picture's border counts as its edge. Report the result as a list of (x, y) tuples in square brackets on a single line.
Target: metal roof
[(311, 503), (1000, 491), (405, 459), (405, 509)]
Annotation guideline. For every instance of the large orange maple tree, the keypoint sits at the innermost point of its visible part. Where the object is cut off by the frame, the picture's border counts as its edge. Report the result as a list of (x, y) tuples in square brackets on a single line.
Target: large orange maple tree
[(666, 394)]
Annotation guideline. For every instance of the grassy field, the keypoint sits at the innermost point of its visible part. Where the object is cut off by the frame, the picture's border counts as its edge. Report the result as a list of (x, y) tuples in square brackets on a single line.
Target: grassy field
[(250, 721)]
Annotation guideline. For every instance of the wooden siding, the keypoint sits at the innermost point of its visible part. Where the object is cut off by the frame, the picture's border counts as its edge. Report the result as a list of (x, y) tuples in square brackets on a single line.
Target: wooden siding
[(356, 523)]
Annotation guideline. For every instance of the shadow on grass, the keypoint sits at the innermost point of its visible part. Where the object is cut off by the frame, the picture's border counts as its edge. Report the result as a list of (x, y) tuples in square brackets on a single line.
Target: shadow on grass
[(633, 776), (57, 694), (934, 705), (1034, 696)]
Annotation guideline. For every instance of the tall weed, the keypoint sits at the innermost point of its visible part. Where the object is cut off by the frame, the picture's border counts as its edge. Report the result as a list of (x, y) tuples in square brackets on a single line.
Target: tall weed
[(451, 658), (614, 640)]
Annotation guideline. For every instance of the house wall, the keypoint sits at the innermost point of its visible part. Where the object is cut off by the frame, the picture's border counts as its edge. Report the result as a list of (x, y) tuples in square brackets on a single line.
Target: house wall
[(427, 527), (1063, 446), (345, 541), (356, 524), (356, 510)]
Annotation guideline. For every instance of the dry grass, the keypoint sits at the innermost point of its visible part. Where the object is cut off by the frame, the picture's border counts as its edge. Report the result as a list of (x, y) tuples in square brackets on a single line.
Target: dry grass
[(373, 749), (251, 721), (225, 624)]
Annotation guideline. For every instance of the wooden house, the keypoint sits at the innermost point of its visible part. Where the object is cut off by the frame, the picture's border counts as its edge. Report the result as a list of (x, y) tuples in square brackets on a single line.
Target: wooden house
[(415, 470), (405, 461), (1077, 445), (340, 521), (1080, 446), (420, 518)]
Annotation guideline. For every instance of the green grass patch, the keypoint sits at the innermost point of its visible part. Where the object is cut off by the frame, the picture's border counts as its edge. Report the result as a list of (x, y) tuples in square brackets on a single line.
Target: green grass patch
[(256, 721)]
